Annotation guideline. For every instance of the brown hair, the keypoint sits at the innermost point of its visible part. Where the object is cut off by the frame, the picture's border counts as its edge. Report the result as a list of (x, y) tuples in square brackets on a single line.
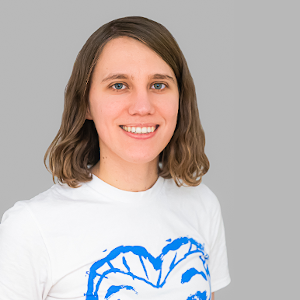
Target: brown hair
[(76, 146)]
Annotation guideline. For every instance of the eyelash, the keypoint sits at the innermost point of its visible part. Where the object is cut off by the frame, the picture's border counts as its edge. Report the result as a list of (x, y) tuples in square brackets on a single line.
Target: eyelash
[(151, 86)]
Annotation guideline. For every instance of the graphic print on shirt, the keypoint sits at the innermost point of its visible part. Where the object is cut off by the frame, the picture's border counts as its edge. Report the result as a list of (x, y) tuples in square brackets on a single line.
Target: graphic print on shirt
[(131, 272)]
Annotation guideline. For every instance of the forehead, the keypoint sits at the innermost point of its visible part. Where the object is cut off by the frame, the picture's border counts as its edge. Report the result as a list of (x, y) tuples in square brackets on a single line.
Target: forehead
[(130, 56)]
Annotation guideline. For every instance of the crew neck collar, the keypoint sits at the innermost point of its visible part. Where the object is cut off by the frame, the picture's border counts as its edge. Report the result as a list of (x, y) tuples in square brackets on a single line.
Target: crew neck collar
[(114, 193)]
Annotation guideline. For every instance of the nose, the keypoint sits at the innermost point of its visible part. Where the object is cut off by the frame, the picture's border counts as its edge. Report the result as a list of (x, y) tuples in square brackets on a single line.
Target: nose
[(141, 103)]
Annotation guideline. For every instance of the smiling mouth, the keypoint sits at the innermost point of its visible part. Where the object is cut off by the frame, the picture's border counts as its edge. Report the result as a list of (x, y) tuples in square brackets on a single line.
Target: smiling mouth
[(139, 130)]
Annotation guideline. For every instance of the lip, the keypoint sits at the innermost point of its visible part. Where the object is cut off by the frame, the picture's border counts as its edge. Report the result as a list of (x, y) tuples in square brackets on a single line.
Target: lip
[(143, 136), (141, 125)]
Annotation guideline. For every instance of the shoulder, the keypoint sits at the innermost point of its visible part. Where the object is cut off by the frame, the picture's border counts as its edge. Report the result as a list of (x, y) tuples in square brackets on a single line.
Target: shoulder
[(20, 214), (18, 225), (200, 195), (58, 198)]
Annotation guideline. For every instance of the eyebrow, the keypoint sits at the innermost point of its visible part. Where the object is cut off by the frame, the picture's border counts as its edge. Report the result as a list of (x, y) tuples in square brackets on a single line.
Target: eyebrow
[(115, 76), (124, 76), (162, 76)]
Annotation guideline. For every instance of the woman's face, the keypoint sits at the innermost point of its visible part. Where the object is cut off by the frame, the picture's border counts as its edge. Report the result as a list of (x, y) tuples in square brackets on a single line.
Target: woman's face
[(132, 89)]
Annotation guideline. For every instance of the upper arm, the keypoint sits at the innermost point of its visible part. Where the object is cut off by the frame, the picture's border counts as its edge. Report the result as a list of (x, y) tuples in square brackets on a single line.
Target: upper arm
[(218, 262), (24, 261)]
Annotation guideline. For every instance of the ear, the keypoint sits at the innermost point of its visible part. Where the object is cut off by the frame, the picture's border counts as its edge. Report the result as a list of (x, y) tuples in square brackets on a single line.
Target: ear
[(88, 115)]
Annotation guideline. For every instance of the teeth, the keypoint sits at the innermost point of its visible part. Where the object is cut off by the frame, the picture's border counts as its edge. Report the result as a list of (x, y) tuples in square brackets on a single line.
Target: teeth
[(139, 130)]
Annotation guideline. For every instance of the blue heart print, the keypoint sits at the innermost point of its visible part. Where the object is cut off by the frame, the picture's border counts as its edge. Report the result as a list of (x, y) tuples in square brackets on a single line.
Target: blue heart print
[(119, 261)]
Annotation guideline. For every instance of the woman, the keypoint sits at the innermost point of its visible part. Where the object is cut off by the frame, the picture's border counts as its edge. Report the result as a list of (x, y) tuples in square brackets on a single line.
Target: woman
[(130, 217)]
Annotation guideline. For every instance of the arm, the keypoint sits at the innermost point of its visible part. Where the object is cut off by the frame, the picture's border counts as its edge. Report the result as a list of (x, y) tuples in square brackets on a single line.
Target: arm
[(24, 262), (218, 262), (213, 296)]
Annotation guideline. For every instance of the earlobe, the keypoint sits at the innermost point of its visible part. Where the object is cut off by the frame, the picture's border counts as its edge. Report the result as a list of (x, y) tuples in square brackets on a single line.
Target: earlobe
[(88, 115)]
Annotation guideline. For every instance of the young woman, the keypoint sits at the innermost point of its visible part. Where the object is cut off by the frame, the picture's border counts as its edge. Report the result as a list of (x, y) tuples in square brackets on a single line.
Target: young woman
[(130, 217)]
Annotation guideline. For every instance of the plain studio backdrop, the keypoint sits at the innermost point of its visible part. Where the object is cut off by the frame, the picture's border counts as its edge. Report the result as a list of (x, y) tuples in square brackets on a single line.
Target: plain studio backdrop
[(245, 65)]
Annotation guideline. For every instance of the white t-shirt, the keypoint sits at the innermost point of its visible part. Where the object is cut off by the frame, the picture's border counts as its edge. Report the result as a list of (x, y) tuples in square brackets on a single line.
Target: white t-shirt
[(99, 242)]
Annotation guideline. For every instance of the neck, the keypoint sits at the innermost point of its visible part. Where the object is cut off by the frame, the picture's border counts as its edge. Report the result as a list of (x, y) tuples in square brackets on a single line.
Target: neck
[(125, 175)]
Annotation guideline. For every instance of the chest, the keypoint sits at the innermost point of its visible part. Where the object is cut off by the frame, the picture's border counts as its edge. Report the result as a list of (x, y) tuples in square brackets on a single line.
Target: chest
[(129, 255)]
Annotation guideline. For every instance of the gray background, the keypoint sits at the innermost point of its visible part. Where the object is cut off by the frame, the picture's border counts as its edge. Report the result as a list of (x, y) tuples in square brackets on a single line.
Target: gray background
[(245, 64)]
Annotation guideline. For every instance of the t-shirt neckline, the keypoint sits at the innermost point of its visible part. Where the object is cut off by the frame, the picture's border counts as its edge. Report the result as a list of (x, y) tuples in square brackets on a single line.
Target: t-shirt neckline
[(114, 193)]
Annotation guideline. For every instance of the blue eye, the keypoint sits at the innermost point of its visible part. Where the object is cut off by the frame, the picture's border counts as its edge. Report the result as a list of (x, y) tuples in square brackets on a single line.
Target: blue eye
[(159, 86), (118, 86)]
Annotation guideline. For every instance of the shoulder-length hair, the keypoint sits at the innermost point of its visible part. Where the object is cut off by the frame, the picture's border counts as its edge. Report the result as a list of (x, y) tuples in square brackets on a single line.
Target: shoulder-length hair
[(76, 146)]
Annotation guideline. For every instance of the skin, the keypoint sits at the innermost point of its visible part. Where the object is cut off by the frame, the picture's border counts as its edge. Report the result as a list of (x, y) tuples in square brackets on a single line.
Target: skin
[(126, 162)]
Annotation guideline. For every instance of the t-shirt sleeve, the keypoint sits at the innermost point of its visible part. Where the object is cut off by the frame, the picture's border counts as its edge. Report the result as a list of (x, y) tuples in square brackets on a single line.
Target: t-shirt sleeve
[(218, 261), (25, 270)]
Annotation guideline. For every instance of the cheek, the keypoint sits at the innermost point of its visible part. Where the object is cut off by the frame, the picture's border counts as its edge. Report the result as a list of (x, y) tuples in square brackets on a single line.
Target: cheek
[(105, 110), (170, 111), (173, 114)]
